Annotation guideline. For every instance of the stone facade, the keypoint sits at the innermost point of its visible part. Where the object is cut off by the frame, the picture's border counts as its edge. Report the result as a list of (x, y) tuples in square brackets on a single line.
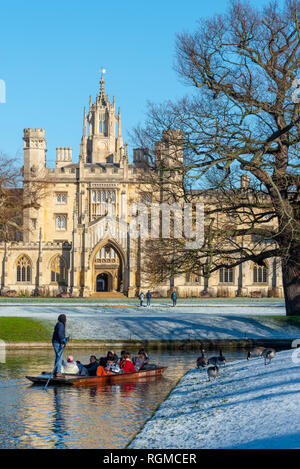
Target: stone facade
[(69, 244)]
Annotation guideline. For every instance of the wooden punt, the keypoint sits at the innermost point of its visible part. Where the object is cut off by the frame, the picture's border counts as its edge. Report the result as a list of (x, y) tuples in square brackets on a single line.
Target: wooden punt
[(75, 380)]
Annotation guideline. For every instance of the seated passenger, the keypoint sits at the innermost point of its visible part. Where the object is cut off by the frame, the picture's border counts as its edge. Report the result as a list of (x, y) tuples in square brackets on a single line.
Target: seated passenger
[(70, 366), (138, 362), (112, 366), (82, 369), (122, 356), (126, 365), (92, 366), (102, 372), (145, 355), (111, 355)]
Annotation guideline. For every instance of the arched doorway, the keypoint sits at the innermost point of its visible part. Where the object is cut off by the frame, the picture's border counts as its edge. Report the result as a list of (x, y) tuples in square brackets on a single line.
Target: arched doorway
[(108, 269), (102, 282)]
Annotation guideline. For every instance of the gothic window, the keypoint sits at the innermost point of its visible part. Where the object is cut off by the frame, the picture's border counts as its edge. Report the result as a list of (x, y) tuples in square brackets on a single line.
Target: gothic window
[(58, 270), (99, 201), (260, 274), (226, 275), (61, 222), (61, 198), (24, 269)]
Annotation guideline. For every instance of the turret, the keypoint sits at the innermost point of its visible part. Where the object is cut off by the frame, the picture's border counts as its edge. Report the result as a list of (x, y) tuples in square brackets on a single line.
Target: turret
[(34, 153)]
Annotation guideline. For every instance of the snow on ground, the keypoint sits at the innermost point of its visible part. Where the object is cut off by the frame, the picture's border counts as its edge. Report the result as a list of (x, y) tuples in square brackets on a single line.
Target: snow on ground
[(249, 405), (161, 323)]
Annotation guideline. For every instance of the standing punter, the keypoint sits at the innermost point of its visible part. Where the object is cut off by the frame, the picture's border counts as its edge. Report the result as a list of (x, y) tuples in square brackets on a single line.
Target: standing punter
[(59, 341)]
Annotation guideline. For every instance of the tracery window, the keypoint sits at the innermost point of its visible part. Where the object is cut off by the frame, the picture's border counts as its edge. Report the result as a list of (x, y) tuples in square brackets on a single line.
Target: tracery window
[(24, 269), (58, 270), (260, 274), (101, 202), (226, 275)]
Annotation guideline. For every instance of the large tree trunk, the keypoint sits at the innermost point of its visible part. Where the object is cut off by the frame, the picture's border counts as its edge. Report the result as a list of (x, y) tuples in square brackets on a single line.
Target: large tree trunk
[(291, 283)]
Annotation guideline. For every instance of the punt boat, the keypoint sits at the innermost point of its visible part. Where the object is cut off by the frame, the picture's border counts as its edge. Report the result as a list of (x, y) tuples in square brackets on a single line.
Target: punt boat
[(76, 380)]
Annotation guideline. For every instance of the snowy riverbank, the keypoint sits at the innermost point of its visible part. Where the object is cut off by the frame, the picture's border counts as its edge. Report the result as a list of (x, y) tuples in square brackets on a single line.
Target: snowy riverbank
[(249, 405)]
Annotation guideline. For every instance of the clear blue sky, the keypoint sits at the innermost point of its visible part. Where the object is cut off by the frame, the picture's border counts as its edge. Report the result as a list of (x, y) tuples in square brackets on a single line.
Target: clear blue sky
[(52, 52)]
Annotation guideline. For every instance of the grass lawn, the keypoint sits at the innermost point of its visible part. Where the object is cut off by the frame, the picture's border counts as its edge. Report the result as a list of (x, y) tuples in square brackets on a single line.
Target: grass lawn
[(286, 320), (25, 330)]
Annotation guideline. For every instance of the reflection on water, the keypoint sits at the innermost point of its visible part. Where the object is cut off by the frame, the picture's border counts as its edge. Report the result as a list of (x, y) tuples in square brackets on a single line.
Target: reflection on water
[(85, 417)]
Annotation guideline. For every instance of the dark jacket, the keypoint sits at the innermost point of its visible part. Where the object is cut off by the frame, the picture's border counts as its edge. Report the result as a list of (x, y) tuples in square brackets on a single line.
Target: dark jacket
[(92, 368), (59, 333), (148, 294)]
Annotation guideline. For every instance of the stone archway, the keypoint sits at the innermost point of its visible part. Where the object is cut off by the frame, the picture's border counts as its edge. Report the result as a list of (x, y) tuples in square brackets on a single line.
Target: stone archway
[(107, 268)]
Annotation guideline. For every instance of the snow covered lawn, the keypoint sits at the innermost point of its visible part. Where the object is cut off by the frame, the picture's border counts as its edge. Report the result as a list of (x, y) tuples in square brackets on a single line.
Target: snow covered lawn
[(249, 405), (181, 323)]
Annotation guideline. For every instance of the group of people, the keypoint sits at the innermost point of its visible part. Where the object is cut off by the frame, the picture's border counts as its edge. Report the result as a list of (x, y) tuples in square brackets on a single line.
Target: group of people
[(149, 296), (110, 364)]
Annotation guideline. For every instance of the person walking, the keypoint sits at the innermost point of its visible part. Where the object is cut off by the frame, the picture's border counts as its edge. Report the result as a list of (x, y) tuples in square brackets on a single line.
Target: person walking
[(141, 297), (148, 296), (174, 298), (59, 341)]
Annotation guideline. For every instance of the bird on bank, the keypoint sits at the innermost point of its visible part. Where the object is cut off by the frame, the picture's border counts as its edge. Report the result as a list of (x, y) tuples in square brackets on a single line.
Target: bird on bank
[(221, 358), (201, 361), (212, 372), (268, 354), (212, 360), (256, 352)]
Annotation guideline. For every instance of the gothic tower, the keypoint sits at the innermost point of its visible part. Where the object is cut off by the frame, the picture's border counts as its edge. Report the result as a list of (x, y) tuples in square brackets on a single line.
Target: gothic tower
[(103, 144)]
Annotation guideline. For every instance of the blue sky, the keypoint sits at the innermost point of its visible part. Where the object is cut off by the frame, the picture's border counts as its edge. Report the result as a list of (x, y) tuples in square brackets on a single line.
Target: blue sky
[(52, 52)]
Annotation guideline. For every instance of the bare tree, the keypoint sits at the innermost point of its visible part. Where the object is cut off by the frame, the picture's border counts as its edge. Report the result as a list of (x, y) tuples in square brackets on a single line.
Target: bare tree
[(242, 120), (14, 199)]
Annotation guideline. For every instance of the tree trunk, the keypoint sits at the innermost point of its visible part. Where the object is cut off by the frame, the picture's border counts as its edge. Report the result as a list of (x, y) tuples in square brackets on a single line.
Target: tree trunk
[(291, 284)]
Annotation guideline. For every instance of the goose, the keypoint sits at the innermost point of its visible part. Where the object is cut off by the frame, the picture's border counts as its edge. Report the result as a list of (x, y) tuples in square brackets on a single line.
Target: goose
[(257, 351), (212, 360), (212, 372), (268, 354), (201, 361), (221, 358)]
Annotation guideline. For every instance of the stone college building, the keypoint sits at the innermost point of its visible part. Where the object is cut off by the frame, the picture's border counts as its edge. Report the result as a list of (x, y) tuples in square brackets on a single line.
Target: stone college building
[(68, 244)]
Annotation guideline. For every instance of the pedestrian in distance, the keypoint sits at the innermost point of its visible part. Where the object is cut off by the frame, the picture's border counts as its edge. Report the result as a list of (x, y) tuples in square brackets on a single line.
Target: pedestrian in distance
[(148, 296), (174, 298), (141, 297)]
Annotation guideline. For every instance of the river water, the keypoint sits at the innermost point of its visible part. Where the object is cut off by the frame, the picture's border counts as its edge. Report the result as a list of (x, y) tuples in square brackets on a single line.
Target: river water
[(85, 417)]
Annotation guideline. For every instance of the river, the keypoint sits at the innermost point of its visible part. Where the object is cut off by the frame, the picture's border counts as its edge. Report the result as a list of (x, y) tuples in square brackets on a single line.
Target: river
[(85, 417)]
